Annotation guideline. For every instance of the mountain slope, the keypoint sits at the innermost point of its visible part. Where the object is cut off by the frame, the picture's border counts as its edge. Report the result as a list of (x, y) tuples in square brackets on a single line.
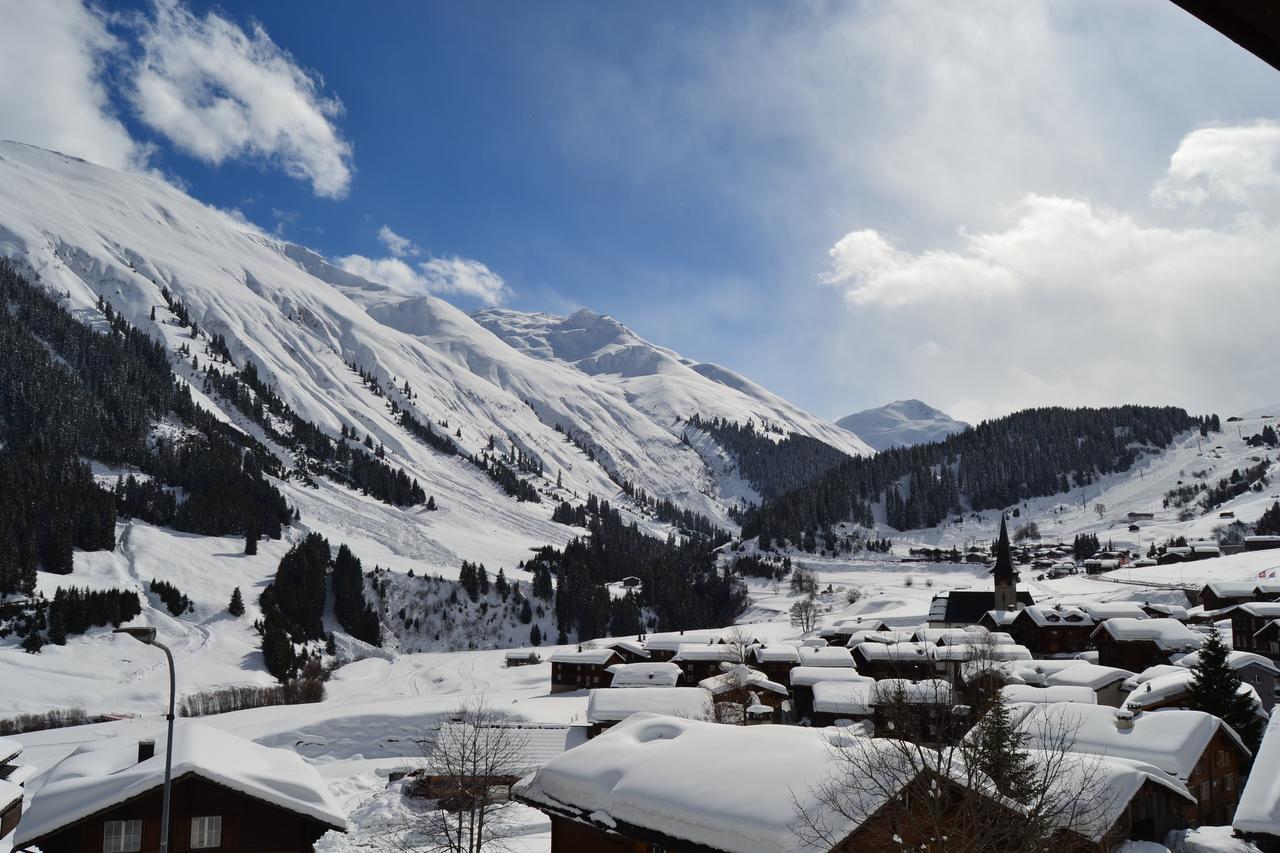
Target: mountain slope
[(901, 424)]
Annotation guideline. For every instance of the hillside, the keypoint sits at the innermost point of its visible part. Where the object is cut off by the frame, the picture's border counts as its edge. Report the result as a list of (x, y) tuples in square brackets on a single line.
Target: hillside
[(901, 424)]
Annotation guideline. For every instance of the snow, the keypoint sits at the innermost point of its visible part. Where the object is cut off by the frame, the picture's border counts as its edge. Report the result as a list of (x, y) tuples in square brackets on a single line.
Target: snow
[(645, 675), (901, 423), (1235, 660), (697, 782), (1044, 695), (854, 698), (1168, 634), (592, 657), (9, 750), (608, 705), (809, 676), (1172, 739), (830, 656), (717, 652), (1259, 807), (741, 676), (776, 654), (527, 745), (1084, 674), (1172, 685), (100, 775)]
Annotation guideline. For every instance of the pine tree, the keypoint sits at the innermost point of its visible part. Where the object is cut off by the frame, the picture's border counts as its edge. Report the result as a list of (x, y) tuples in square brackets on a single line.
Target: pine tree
[(998, 751), (236, 607), (500, 584), (482, 580), (431, 504), (251, 539), (526, 612), (1215, 689), (33, 643), (535, 636)]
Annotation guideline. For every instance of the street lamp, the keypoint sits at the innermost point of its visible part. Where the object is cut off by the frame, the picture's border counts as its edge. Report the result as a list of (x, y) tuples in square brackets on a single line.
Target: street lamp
[(148, 636)]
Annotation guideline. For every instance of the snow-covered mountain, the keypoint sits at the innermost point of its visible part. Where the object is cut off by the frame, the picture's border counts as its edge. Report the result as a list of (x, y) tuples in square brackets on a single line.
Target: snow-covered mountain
[(901, 424), (87, 232)]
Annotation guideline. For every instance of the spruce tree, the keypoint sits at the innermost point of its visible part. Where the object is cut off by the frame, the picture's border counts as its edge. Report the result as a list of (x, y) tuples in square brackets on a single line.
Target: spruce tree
[(997, 747), (535, 636), (1215, 689), (236, 607), (431, 504)]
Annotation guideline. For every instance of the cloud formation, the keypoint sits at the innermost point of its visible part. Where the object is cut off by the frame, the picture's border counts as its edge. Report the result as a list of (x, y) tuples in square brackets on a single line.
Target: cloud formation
[(219, 92), (52, 54), (398, 246), (1069, 300), (449, 275)]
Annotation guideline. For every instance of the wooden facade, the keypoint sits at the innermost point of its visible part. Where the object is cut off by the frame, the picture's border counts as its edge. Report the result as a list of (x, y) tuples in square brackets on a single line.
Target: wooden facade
[(584, 674), (1216, 782), (1133, 655), (248, 825), (1251, 631), (1047, 637), (10, 814)]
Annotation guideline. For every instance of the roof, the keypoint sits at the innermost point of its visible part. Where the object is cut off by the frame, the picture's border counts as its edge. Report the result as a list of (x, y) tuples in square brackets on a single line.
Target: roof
[(968, 605), (630, 646), (777, 654), (808, 676), (1045, 616), (836, 656), (712, 653), (1261, 609), (1173, 685), (10, 793), (1085, 674), (741, 676), (645, 675), (527, 746), (699, 782), (1172, 739), (1230, 589), (1168, 634), (942, 635), (106, 773), (609, 706), (1173, 611), (1235, 660), (1100, 611), (994, 652), (671, 642), (914, 652), (928, 692), (521, 654), (844, 697), (1044, 695), (1259, 806), (9, 750), (593, 657)]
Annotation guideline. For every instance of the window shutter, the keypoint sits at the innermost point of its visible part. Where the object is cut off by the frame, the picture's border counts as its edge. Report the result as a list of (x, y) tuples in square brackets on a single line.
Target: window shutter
[(151, 835), (230, 832)]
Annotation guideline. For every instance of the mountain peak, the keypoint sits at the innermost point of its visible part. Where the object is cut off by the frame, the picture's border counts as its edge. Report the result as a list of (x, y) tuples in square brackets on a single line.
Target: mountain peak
[(901, 423)]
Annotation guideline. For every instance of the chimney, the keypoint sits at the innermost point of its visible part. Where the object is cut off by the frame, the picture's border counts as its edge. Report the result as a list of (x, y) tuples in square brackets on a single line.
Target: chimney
[(146, 749), (1124, 720)]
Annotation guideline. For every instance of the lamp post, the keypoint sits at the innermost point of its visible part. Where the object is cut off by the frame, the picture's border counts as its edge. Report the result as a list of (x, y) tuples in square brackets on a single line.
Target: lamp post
[(148, 637)]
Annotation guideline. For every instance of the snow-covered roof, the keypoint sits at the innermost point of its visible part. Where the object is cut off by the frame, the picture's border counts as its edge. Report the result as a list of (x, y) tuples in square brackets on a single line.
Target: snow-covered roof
[(592, 657), (706, 653), (1084, 674), (943, 635), (1046, 616), (741, 676), (1231, 589), (107, 772), (777, 654), (1235, 660), (844, 697), (1172, 685), (10, 793), (1172, 739), (1100, 611), (699, 782), (9, 750), (1261, 609), (1173, 611), (1259, 807), (928, 692), (521, 654), (894, 651), (629, 646), (672, 642), (999, 617), (1168, 634), (1133, 682), (994, 652), (1044, 695), (646, 674), (807, 676), (609, 706), (524, 746), (836, 656)]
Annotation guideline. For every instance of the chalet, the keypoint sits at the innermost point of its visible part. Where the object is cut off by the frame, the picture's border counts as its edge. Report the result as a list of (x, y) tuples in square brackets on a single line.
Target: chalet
[(664, 646), (1261, 543), (1050, 631), (698, 662), (1257, 817), (522, 658), (1141, 516), (228, 793), (1135, 644), (896, 660), (830, 656), (950, 662), (742, 688), (1224, 594), (1196, 748), (607, 708), (997, 621), (776, 661), (1106, 682), (924, 708), (838, 703), (805, 678), (959, 607), (648, 674), (1157, 610), (1248, 624), (644, 787), (1255, 670), (511, 750), (1015, 693), (943, 636), (630, 582), (584, 669), (12, 775), (1169, 686), (631, 651)]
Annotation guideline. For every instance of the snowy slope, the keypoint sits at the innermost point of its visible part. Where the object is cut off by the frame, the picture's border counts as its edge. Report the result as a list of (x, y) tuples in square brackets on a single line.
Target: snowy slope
[(901, 424)]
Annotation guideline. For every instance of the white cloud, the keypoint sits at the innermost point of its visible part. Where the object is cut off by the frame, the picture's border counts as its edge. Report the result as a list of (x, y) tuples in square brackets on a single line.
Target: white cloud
[(1069, 301), (51, 92), (1239, 165), (451, 275), (219, 92), (398, 246)]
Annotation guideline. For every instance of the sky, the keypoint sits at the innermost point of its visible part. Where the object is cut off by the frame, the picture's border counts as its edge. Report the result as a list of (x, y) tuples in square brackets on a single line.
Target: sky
[(984, 205)]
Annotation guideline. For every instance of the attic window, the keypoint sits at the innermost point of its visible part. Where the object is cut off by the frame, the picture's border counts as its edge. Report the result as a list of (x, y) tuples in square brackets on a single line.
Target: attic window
[(121, 836)]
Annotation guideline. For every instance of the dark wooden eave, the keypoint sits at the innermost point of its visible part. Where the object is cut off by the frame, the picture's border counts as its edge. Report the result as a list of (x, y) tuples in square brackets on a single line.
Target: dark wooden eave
[(1252, 24)]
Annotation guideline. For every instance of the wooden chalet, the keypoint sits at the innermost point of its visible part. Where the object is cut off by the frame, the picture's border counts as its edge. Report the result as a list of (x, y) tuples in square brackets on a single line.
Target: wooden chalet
[(12, 776), (662, 647), (1052, 631), (522, 658), (646, 674), (805, 678), (631, 651), (959, 607), (606, 708), (1223, 594), (1257, 818), (584, 669), (699, 662), (1251, 631), (228, 794), (741, 689), (1136, 644), (896, 660), (776, 661)]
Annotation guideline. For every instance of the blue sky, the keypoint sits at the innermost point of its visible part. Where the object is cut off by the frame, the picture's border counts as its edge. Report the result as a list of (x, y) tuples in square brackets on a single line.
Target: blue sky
[(848, 202)]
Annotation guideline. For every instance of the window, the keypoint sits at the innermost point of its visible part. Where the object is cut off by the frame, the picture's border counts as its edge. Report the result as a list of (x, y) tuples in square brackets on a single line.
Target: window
[(1229, 782), (206, 832), (121, 836)]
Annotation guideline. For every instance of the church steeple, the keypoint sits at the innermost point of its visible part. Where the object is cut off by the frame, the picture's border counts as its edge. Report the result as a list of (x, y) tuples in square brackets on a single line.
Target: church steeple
[(1006, 579)]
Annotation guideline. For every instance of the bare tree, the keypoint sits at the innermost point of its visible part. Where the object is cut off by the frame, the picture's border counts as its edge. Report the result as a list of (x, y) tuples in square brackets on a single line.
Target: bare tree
[(989, 792), (805, 613), (1101, 510), (738, 642), (470, 762)]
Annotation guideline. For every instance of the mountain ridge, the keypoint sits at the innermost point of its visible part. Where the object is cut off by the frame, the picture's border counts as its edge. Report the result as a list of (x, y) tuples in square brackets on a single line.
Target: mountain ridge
[(901, 423)]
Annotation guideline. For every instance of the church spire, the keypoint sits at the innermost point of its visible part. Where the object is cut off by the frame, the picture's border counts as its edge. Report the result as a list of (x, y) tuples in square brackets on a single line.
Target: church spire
[(1006, 580)]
